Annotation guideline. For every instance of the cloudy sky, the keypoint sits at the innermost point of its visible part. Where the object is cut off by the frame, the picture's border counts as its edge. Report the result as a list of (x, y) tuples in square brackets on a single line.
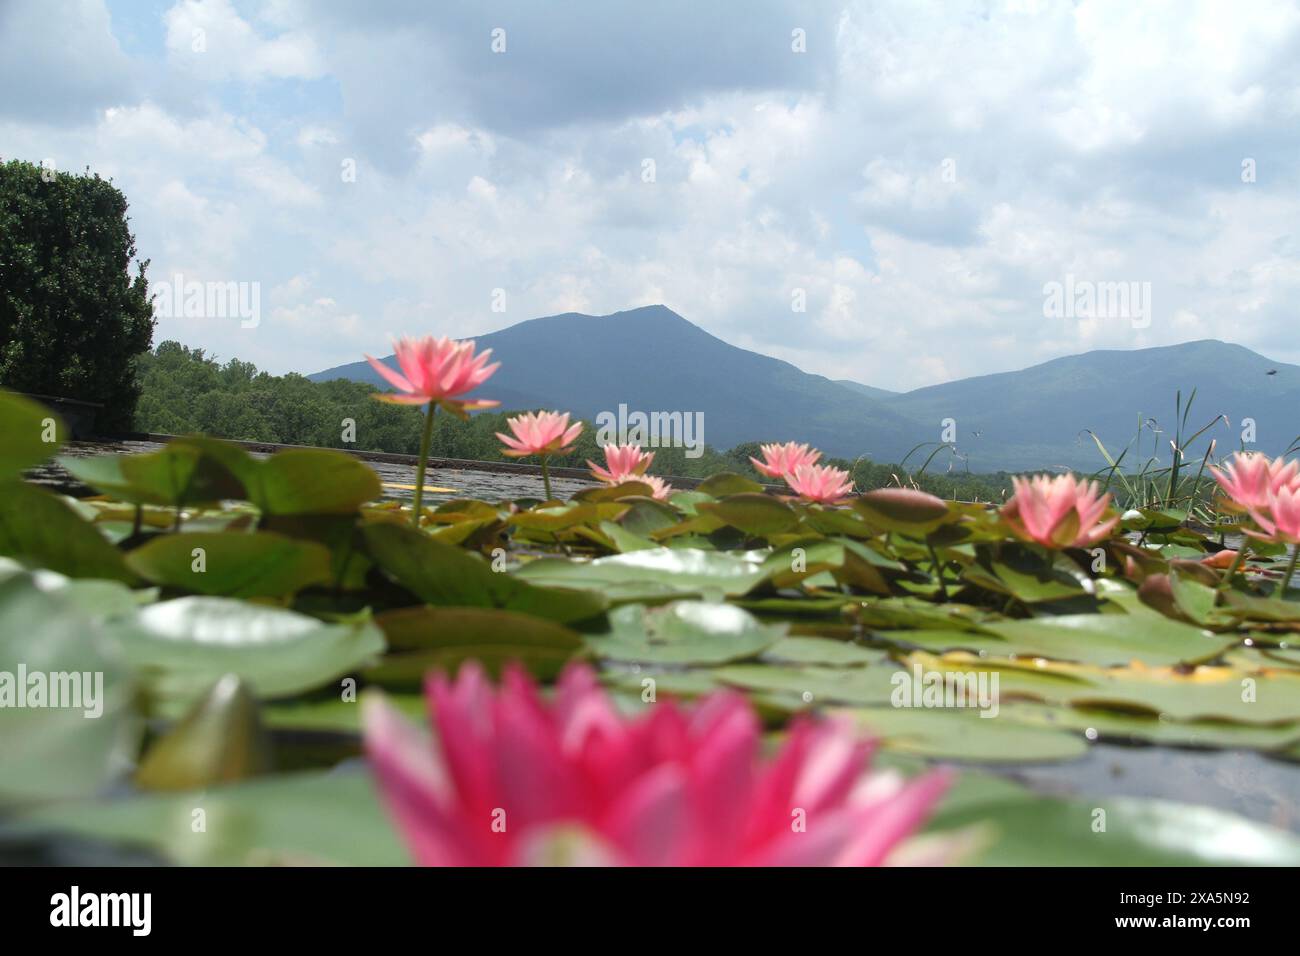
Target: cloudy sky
[(920, 172)]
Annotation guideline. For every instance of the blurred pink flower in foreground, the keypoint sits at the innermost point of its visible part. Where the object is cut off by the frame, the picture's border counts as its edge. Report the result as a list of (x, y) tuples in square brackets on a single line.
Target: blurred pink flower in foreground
[(1250, 478), (820, 483), (436, 370), (540, 433), (780, 461), (516, 779), (624, 463), (1058, 511)]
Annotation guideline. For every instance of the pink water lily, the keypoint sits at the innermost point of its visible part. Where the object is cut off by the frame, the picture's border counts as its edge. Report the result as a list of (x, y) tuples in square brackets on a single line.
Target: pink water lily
[(820, 483), (623, 463), (1279, 517), (437, 371), (1058, 511), (659, 488), (540, 433), (780, 461), (516, 779), (1250, 478)]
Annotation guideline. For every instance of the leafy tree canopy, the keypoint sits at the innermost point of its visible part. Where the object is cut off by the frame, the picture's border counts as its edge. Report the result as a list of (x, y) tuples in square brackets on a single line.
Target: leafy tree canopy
[(72, 317)]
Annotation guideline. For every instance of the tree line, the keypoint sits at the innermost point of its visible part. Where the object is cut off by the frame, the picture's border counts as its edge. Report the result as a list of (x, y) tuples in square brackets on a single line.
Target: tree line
[(184, 391)]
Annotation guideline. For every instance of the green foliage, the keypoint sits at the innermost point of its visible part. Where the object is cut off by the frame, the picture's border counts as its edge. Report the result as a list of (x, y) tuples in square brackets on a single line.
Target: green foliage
[(72, 318)]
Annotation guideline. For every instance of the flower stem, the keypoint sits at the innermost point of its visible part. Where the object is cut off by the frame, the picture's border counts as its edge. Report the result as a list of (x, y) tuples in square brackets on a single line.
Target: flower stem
[(1290, 567), (938, 571), (546, 478), (425, 440), (1236, 563)]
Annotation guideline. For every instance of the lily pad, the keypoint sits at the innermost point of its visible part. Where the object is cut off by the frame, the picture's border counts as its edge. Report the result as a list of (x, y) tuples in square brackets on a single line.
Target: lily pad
[(443, 574), (726, 483), (424, 639), (40, 528), (965, 734), (1044, 831), (291, 819), (232, 564), (178, 474), (1110, 639), (72, 749), (310, 481), (684, 632), (181, 648), (753, 513), (655, 573), (821, 650), (31, 433)]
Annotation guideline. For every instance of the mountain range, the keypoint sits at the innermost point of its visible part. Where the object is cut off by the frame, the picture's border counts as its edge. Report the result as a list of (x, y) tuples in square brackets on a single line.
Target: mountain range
[(651, 359)]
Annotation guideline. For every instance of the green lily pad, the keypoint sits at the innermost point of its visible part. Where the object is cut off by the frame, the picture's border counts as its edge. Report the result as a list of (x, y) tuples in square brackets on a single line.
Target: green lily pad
[(333, 715), (181, 647), (684, 632), (821, 650), (442, 574), (310, 481), (624, 540), (95, 598), (1110, 639), (909, 612), (1205, 693), (178, 474), (1043, 831), (1124, 727), (423, 639), (814, 685), (753, 513), (653, 573), (559, 517), (232, 564), (73, 749), (1024, 576), (803, 558), (646, 516), (726, 483), (1251, 608), (292, 819), (615, 492), (964, 734), (31, 433), (41, 529)]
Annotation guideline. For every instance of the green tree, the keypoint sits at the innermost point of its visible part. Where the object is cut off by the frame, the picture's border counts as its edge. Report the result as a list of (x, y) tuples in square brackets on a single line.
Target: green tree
[(72, 317)]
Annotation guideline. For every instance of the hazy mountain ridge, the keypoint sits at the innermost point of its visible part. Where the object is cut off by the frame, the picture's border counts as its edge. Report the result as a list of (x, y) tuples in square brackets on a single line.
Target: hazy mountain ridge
[(652, 359)]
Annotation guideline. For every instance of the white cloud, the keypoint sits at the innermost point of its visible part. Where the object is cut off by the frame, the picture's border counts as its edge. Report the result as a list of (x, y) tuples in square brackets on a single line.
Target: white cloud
[(210, 39), (1100, 139)]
